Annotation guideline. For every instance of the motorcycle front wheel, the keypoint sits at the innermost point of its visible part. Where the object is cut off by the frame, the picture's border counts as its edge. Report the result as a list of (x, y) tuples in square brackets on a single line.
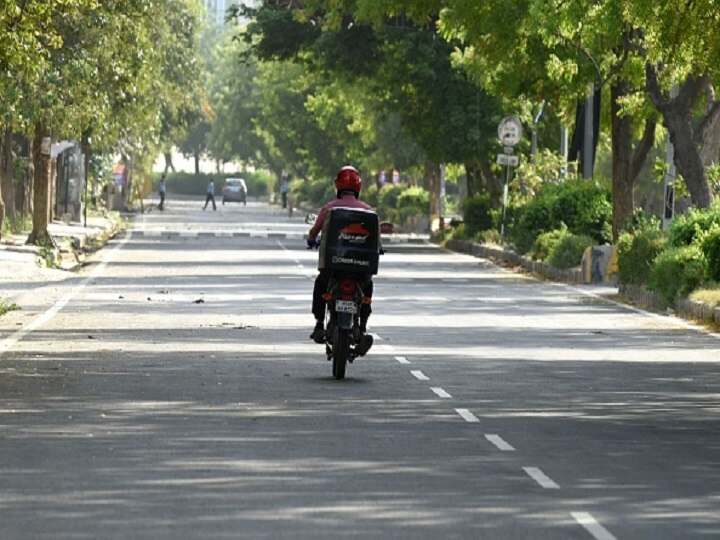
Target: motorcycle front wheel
[(341, 351)]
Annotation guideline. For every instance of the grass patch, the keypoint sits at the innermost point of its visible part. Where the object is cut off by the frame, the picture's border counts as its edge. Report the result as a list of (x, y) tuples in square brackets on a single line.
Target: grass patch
[(7, 306), (707, 296)]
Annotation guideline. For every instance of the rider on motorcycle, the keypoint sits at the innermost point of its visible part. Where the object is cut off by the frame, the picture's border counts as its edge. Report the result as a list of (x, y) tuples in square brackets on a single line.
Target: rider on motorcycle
[(347, 185)]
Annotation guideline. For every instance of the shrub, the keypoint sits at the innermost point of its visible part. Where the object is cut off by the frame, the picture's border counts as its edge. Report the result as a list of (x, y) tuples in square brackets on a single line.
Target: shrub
[(313, 193), (412, 202), (476, 214), (459, 232), (490, 236), (584, 206), (676, 272), (370, 194), (388, 201), (545, 242), (636, 254), (710, 297), (685, 229), (710, 246), (183, 183), (568, 251), (415, 197)]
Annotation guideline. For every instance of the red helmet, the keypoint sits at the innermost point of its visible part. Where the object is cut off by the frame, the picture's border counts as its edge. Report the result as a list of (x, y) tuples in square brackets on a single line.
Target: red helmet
[(348, 179)]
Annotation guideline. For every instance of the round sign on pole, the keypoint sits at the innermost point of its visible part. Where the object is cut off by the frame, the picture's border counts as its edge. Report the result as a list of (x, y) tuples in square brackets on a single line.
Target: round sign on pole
[(510, 131)]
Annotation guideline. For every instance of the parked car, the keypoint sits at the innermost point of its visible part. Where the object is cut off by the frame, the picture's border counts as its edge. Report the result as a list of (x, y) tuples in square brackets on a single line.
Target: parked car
[(234, 190)]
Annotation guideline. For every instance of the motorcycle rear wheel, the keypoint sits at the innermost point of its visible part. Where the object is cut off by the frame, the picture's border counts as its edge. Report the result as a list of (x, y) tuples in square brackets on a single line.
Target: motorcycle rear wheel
[(341, 352)]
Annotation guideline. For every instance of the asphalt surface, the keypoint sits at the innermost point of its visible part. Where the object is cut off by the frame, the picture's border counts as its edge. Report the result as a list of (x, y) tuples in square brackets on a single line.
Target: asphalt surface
[(169, 390)]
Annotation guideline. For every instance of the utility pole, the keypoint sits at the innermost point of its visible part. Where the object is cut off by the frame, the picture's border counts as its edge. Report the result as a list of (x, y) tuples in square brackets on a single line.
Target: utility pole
[(588, 134), (669, 179)]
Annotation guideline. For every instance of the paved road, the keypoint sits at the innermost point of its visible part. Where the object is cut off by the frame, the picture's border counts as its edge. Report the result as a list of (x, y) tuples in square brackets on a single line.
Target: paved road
[(171, 391)]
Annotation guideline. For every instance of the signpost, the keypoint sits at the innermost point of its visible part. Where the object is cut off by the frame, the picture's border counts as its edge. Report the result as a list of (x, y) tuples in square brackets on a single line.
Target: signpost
[(509, 133)]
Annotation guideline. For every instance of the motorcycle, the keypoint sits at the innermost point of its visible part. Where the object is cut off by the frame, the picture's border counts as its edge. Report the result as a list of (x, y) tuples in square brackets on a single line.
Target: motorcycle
[(349, 249)]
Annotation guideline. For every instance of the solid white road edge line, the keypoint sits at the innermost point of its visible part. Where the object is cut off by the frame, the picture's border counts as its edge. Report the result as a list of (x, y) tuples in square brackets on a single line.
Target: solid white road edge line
[(419, 375), (677, 321), (540, 477), (468, 416), (10, 341), (499, 442), (440, 392), (592, 526)]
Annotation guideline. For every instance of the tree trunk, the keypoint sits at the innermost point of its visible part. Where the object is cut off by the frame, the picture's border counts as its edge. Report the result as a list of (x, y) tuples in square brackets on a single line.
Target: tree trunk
[(196, 155), (677, 118), (709, 134), (6, 174), (431, 181), (493, 184), (626, 163), (2, 185), (473, 173), (28, 180), (168, 162), (42, 187)]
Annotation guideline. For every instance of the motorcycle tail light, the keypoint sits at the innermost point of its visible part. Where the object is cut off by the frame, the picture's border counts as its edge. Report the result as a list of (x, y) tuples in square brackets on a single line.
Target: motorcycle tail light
[(347, 289)]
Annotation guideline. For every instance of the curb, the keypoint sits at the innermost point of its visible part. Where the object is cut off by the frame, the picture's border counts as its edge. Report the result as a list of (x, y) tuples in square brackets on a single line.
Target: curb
[(572, 276)]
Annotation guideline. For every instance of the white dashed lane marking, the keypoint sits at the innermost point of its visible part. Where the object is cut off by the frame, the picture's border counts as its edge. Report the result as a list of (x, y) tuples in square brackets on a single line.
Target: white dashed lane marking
[(467, 415), (592, 526), (402, 359), (541, 478), (420, 376), (499, 442), (440, 392)]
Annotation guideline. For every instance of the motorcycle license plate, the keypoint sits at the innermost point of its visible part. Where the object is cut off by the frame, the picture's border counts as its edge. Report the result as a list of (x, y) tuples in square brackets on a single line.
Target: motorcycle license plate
[(345, 306)]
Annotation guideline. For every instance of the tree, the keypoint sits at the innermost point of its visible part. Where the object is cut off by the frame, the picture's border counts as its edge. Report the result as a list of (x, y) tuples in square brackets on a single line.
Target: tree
[(402, 64), (80, 68)]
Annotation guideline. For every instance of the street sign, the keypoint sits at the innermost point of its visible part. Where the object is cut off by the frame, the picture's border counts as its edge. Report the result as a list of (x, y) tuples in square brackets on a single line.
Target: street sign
[(504, 159), (510, 131)]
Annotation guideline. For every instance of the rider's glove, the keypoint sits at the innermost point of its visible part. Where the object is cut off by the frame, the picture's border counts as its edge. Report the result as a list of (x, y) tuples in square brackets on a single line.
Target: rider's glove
[(310, 243)]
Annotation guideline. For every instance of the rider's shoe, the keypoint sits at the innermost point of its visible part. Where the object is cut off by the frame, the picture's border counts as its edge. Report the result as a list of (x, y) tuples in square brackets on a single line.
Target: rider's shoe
[(318, 334), (364, 343)]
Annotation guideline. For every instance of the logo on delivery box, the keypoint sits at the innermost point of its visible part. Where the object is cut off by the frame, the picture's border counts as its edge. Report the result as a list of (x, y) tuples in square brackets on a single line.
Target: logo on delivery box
[(355, 233)]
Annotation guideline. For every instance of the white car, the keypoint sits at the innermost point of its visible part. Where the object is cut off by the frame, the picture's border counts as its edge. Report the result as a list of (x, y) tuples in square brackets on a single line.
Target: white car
[(234, 190)]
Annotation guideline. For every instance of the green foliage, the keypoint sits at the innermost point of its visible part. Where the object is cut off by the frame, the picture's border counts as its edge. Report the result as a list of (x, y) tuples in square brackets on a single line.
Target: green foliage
[(459, 232), (413, 202), (313, 193), (642, 221), (545, 242), (415, 197), (490, 236), (583, 206), (561, 248), (710, 246), (19, 224), (677, 272), (370, 194), (6, 306), (637, 252), (476, 214), (388, 201), (183, 183), (569, 249), (685, 230)]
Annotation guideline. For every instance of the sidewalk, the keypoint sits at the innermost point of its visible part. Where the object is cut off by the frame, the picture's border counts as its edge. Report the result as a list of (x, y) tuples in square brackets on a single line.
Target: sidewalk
[(23, 267)]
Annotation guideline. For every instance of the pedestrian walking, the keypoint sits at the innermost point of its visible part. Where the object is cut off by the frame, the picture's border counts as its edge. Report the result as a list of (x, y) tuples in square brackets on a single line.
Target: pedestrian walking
[(210, 195), (161, 192), (284, 187)]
